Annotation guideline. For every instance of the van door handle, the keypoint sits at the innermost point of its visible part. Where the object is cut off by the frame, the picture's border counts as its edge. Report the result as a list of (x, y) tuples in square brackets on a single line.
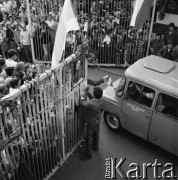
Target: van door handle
[(148, 116)]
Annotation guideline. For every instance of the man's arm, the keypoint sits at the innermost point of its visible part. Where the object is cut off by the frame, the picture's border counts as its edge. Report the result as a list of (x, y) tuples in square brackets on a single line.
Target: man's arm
[(95, 83), (21, 37), (90, 95), (100, 81)]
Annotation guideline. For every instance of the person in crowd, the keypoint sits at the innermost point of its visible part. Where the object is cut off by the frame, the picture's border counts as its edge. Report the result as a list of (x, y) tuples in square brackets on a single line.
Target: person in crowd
[(5, 20), (2, 90), (9, 71), (17, 32), (11, 20), (10, 36), (3, 44), (156, 44), (26, 43), (94, 22), (1, 14), (33, 27), (20, 67), (3, 10), (20, 76), (23, 15), (2, 68), (46, 39), (94, 110), (130, 47), (172, 35), (116, 20), (78, 39), (7, 4), (17, 21), (101, 46), (50, 20), (12, 61), (167, 51), (14, 85), (56, 13), (70, 41)]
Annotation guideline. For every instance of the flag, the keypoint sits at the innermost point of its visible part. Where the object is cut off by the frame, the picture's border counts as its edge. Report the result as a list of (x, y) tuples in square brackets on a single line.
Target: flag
[(141, 13), (67, 22)]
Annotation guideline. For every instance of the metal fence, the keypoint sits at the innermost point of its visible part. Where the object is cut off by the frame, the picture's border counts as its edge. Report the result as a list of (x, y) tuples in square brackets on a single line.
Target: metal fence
[(40, 124), (105, 30)]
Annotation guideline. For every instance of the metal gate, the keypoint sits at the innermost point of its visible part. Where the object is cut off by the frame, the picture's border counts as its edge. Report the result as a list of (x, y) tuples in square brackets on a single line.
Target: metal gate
[(105, 30), (40, 124)]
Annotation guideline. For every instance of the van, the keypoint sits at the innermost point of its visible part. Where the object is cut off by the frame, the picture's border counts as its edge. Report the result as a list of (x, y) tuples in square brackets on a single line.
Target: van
[(145, 102)]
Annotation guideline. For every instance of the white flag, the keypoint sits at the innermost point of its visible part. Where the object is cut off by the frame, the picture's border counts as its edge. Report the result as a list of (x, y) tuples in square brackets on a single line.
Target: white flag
[(67, 22), (141, 13)]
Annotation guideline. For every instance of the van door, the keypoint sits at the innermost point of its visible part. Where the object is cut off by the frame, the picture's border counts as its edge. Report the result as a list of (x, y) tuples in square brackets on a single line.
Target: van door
[(137, 109), (164, 126)]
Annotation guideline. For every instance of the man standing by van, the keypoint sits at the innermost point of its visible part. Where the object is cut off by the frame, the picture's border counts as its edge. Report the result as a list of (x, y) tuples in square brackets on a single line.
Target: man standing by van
[(93, 110)]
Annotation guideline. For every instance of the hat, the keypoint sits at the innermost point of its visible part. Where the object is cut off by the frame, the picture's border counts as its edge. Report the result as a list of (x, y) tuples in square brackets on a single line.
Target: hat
[(172, 25)]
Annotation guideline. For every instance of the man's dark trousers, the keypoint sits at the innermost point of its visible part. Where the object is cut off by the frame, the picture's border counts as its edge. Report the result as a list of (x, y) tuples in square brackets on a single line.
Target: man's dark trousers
[(92, 138)]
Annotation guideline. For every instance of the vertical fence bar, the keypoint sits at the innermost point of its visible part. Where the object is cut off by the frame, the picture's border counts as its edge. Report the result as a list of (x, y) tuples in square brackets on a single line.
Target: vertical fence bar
[(30, 29), (46, 83), (62, 104), (38, 144), (40, 126), (151, 27), (41, 88)]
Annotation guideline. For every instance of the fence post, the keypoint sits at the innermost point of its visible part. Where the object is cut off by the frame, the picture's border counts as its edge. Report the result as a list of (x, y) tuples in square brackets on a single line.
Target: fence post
[(30, 29), (151, 27)]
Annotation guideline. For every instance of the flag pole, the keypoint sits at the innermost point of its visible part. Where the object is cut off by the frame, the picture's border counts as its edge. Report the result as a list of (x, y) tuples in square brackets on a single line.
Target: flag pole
[(151, 27)]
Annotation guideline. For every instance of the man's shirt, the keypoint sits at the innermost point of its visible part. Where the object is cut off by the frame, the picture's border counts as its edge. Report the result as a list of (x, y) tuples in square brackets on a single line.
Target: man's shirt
[(25, 37), (10, 63)]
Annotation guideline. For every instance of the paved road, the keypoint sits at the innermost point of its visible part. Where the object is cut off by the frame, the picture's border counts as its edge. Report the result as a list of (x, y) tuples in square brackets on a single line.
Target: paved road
[(112, 145)]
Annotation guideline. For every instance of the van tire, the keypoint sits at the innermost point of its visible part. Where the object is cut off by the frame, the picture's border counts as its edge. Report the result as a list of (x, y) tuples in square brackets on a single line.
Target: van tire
[(112, 121)]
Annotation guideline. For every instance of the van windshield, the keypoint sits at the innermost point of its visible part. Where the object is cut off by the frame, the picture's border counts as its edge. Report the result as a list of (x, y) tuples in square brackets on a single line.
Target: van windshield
[(120, 87)]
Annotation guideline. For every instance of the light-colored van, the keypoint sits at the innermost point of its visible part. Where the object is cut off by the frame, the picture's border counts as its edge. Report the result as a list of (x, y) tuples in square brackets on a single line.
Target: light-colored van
[(145, 102)]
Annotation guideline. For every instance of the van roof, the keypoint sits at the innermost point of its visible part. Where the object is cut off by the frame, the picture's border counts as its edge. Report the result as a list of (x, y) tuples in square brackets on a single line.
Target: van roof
[(156, 72)]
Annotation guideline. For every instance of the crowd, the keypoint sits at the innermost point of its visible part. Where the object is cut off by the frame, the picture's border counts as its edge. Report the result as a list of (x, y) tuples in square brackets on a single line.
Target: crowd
[(16, 61), (110, 36)]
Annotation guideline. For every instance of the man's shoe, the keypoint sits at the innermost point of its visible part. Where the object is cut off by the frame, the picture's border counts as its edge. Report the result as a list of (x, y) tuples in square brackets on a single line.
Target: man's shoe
[(85, 158)]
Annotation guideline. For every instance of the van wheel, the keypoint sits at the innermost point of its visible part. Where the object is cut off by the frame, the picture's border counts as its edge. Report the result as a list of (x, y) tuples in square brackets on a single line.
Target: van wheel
[(112, 121)]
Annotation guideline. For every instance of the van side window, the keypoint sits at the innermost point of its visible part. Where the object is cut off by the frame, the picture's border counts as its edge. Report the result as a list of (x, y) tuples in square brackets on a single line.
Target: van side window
[(140, 94), (167, 105)]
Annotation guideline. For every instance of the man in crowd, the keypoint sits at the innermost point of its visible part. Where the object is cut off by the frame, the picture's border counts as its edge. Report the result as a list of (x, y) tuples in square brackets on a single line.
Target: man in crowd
[(156, 44), (168, 51), (172, 35), (23, 15), (26, 43), (12, 55)]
